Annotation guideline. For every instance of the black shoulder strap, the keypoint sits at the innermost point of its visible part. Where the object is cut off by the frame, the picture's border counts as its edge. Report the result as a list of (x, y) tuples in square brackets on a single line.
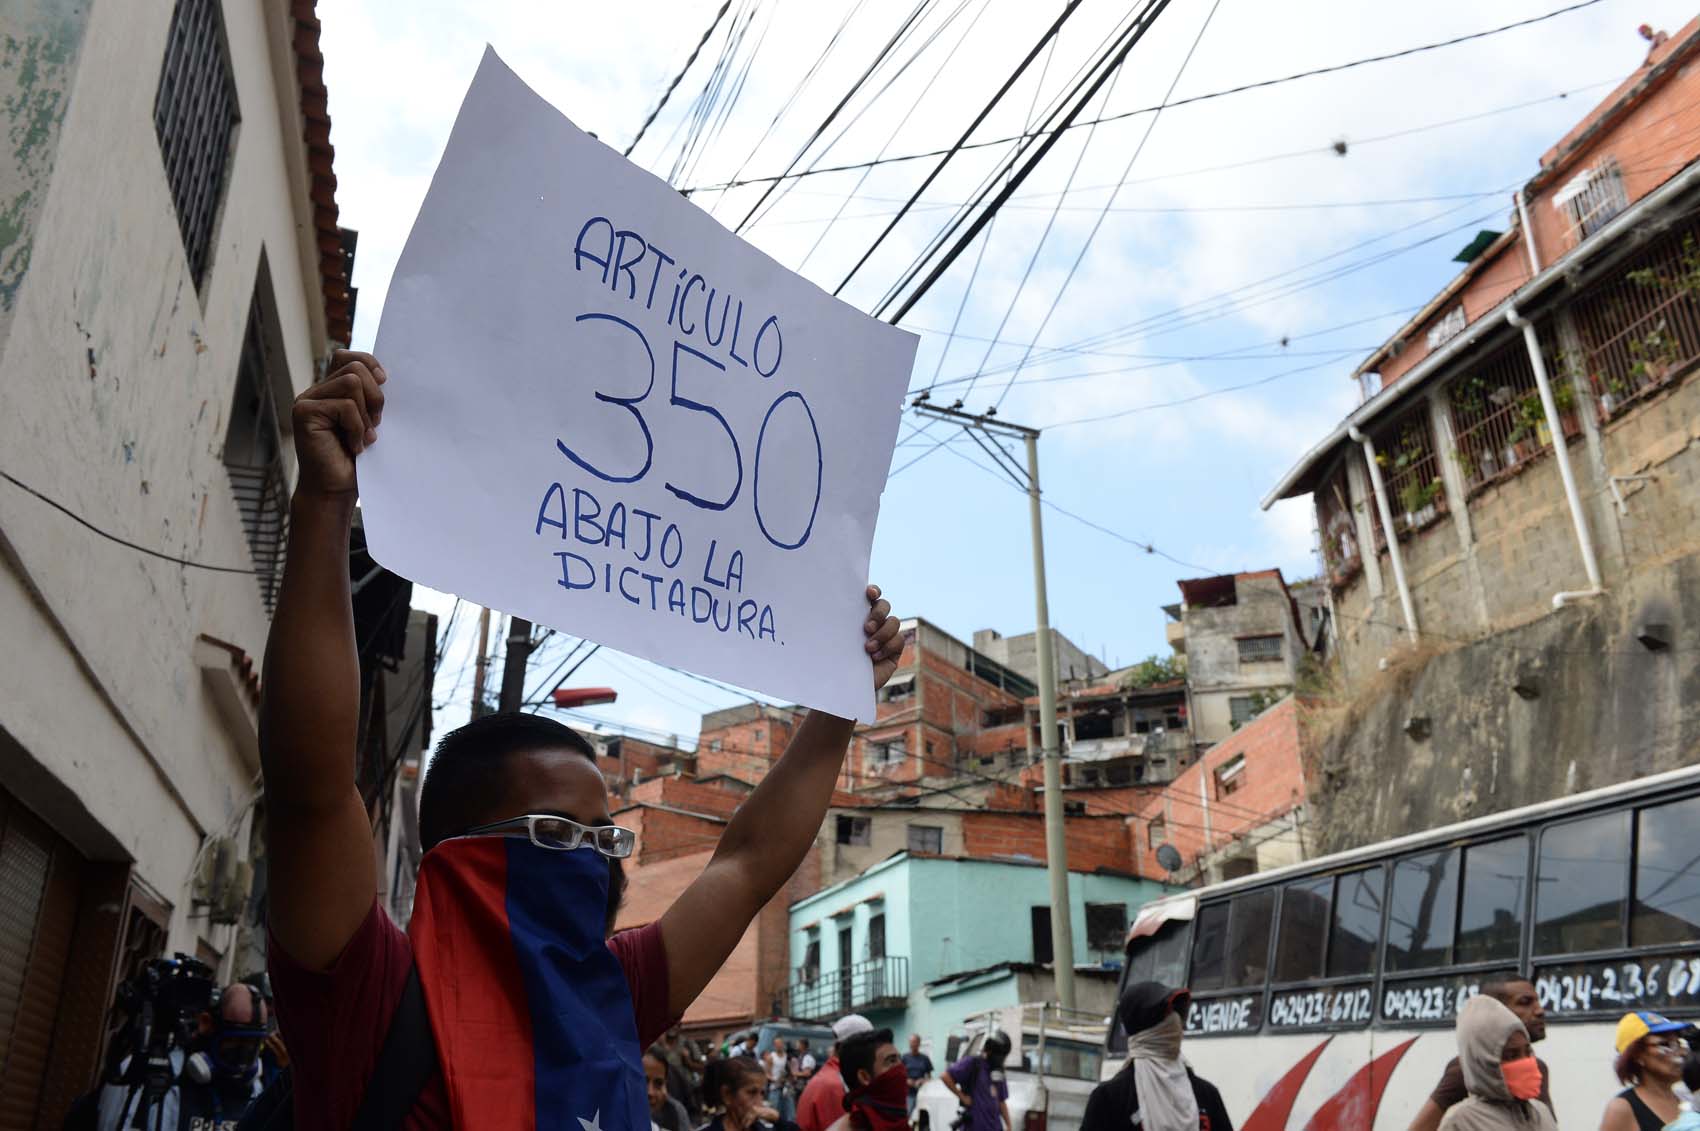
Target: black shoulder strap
[(406, 1061)]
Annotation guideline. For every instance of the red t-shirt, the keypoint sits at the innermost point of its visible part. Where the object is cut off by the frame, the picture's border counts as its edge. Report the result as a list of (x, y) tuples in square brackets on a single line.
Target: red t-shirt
[(822, 1102), (334, 1021)]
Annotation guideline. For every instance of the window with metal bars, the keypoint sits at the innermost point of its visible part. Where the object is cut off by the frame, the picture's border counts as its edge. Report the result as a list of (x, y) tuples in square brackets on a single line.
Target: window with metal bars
[(253, 448), (1498, 421), (1592, 198), (195, 115), (1410, 471), (1640, 329)]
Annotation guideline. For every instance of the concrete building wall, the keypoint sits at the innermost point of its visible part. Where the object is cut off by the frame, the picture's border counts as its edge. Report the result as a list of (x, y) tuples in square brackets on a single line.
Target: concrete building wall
[(122, 379), (1021, 653), (1216, 675), (888, 832)]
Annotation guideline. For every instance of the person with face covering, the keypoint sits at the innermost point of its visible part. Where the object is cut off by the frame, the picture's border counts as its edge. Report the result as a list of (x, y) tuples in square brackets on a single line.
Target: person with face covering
[(1500, 1073), (1156, 1090), (875, 1082), (537, 1011), (1651, 1055)]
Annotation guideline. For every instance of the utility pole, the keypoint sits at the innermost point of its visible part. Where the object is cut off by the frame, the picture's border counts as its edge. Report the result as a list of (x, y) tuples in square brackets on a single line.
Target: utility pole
[(513, 667), (984, 431), (482, 667)]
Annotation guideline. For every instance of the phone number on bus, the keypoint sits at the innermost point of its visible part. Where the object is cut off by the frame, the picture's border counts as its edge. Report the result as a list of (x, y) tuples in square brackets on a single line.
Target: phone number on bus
[(1585, 987)]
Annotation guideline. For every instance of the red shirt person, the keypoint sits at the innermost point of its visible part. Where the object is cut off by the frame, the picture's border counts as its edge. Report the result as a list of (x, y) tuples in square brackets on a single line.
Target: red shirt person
[(822, 1102), (338, 963)]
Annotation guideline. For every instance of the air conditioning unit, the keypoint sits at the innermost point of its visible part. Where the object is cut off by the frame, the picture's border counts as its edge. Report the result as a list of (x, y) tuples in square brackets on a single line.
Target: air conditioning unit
[(223, 882)]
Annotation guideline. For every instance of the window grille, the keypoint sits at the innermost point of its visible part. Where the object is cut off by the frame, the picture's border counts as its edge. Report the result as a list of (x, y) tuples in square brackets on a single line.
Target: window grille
[(1592, 198), (1498, 420), (927, 839), (1410, 471), (195, 115), (1640, 329), (1340, 551), (253, 455), (1258, 649)]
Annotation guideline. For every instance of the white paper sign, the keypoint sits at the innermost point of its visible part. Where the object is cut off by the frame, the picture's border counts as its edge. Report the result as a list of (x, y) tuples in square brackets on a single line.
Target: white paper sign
[(609, 415)]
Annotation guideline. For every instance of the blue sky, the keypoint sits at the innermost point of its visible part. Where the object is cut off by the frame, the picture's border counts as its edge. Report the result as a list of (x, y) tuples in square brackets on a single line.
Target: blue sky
[(1195, 276)]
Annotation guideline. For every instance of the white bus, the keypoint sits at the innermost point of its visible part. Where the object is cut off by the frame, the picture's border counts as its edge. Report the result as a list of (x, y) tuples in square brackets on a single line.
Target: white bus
[(1323, 994)]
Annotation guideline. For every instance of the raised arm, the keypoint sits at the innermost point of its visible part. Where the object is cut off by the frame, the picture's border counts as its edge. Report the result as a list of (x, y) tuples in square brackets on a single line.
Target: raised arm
[(320, 874), (768, 836)]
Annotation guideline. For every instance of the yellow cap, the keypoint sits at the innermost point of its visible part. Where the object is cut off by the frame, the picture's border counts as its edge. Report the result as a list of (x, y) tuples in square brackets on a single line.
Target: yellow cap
[(1643, 1023)]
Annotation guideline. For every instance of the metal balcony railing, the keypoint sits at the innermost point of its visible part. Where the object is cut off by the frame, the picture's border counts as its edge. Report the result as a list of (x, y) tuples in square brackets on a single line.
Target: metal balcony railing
[(822, 995)]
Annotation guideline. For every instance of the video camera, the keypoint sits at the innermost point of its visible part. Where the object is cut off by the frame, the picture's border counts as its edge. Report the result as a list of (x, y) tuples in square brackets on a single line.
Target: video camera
[(163, 1003)]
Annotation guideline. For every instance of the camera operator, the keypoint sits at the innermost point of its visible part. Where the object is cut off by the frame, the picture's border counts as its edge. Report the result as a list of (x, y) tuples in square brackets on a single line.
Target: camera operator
[(214, 1071)]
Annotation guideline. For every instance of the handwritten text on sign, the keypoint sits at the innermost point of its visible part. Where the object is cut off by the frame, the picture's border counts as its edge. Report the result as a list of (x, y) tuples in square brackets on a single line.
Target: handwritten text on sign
[(609, 415)]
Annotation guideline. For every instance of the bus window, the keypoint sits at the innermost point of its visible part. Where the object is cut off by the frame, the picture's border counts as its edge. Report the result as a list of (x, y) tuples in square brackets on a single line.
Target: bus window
[(1421, 910), (1230, 945), (1667, 883), (1209, 946), (1248, 937), (1355, 927), (1300, 943), (1582, 885), (1160, 957), (1490, 919)]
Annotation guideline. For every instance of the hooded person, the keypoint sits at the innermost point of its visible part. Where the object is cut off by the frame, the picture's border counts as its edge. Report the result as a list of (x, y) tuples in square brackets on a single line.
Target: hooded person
[(1155, 1090), (1500, 1072), (979, 1085)]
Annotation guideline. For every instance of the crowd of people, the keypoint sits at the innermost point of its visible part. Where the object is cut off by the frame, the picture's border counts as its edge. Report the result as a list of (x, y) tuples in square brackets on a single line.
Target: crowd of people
[(1495, 1083)]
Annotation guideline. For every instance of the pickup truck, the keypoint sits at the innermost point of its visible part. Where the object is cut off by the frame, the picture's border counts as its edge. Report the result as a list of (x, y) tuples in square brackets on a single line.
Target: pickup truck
[(1054, 1063)]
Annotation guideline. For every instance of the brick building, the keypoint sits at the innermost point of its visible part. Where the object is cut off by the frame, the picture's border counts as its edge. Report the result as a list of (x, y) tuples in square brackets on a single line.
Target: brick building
[(1513, 505)]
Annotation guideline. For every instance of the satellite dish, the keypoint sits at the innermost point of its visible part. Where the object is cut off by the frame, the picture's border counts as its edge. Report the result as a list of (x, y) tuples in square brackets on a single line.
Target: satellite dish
[(1168, 857)]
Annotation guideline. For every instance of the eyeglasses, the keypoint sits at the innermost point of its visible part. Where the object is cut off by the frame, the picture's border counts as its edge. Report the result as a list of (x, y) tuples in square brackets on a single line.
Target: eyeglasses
[(558, 834)]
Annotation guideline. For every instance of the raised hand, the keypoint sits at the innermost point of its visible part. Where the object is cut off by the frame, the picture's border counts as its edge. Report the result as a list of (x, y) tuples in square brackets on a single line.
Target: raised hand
[(885, 643), (336, 420)]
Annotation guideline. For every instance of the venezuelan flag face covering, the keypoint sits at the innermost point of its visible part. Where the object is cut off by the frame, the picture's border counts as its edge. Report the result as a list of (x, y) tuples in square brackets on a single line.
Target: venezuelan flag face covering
[(531, 1011)]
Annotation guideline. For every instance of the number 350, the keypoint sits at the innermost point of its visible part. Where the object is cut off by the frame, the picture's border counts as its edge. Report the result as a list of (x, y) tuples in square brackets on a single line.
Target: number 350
[(714, 427)]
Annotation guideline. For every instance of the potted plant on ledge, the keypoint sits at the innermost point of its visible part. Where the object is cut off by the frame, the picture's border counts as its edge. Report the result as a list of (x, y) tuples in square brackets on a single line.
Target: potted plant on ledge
[(1418, 499)]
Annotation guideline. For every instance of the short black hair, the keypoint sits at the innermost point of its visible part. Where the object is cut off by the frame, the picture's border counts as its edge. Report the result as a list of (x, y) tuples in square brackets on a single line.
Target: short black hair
[(1499, 987), (464, 777), (856, 1054)]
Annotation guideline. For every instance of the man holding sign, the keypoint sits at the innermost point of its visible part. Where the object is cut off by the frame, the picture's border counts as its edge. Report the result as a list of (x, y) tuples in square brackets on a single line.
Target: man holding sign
[(535, 1018), (612, 416)]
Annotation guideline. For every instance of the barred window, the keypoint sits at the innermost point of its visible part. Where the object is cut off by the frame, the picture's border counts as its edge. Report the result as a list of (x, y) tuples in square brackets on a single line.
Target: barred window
[(1592, 198), (1640, 328), (1259, 649), (1339, 532), (253, 446), (195, 115), (1410, 471), (1497, 415)]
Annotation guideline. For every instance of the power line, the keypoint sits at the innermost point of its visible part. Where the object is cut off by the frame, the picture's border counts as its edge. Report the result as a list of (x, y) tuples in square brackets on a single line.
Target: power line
[(125, 542), (1168, 105), (1099, 222), (668, 93), (1109, 64)]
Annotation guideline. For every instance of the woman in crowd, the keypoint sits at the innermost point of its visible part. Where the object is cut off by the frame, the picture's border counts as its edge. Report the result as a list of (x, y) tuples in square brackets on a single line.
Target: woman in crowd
[(733, 1092), (1650, 1058)]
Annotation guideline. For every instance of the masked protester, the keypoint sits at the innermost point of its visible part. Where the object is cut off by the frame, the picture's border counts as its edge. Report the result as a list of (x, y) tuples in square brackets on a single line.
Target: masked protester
[(507, 975), (1518, 995), (977, 1081), (1651, 1056), (214, 1080), (875, 1082), (1500, 1073), (1155, 1090), (734, 1092)]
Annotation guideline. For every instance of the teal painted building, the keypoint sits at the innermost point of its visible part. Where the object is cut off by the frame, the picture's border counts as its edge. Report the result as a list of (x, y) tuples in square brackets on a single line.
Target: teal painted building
[(918, 943)]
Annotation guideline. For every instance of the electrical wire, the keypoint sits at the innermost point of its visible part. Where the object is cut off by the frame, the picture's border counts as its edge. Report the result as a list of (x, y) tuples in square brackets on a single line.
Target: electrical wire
[(1127, 170), (668, 93), (735, 183)]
